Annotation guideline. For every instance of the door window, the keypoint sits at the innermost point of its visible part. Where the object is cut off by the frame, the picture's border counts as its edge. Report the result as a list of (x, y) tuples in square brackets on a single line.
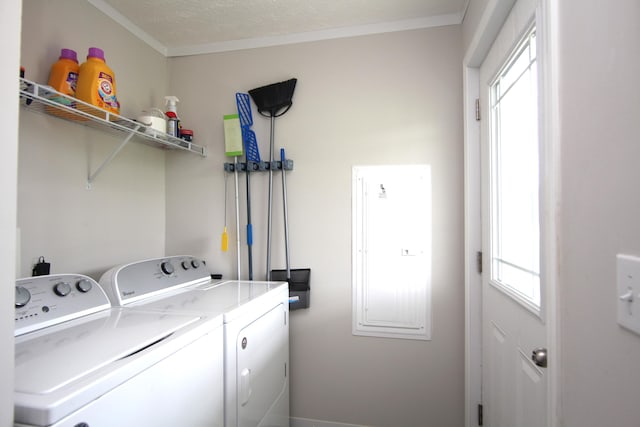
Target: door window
[(514, 179)]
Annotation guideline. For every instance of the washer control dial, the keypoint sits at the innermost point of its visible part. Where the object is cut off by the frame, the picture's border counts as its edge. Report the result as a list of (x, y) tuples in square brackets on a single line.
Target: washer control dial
[(83, 285), (167, 268), (186, 265), (23, 296), (195, 263), (62, 289)]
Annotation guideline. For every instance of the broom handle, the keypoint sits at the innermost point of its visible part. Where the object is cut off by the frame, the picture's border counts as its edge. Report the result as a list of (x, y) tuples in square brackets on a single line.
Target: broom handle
[(249, 228), (286, 216), (271, 155), (235, 174)]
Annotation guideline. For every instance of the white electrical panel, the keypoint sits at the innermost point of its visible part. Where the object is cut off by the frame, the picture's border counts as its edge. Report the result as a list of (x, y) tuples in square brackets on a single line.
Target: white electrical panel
[(391, 260)]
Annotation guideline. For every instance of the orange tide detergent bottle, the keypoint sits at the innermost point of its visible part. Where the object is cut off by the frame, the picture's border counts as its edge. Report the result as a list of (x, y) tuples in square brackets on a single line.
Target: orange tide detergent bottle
[(97, 82), (64, 73)]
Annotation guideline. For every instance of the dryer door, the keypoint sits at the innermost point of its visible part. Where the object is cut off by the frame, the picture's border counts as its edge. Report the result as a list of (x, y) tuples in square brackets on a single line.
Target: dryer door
[(262, 350)]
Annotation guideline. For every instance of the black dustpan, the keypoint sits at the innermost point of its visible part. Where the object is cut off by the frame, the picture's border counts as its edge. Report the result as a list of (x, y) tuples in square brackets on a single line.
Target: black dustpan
[(275, 99)]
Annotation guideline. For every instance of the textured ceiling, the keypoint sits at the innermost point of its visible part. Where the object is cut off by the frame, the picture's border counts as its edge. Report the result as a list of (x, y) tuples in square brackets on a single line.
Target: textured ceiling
[(180, 25)]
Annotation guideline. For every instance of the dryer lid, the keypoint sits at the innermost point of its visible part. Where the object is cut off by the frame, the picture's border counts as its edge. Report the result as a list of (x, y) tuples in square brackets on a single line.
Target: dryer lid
[(48, 360), (212, 298)]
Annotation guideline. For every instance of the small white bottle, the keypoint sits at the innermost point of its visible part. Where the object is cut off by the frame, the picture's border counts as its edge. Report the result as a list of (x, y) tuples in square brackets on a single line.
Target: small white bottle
[(173, 121)]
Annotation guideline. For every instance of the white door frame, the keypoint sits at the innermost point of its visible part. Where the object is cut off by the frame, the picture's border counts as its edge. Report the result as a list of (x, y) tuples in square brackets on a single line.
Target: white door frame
[(490, 23), (11, 22)]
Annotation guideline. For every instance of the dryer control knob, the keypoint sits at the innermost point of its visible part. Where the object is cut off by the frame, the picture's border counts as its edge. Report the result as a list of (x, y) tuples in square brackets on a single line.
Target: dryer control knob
[(84, 285), (167, 268), (23, 296), (62, 289), (186, 265), (195, 263)]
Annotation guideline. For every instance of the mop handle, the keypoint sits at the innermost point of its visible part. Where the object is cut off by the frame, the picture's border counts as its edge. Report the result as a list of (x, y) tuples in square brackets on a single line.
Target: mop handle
[(286, 216)]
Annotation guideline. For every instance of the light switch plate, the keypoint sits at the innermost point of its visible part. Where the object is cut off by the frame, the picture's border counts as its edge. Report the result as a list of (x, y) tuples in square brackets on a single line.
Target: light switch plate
[(628, 288)]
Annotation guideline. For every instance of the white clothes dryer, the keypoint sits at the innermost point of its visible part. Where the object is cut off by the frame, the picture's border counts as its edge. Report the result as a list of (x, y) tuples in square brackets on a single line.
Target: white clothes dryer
[(256, 328), (79, 362)]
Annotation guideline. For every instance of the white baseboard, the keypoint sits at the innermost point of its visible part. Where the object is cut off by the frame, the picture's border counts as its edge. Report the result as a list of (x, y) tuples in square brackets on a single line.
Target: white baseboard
[(305, 422)]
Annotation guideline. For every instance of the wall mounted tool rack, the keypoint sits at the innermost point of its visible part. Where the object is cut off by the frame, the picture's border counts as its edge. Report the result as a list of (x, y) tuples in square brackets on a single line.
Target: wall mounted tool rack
[(275, 165), (44, 99)]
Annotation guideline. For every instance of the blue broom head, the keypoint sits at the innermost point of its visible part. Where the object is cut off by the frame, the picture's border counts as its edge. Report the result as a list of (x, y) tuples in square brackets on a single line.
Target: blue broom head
[(243, 101), (250, 144)]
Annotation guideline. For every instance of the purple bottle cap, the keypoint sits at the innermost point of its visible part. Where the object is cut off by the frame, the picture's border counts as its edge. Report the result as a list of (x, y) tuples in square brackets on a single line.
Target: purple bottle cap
[(69, 54), (96, 52)]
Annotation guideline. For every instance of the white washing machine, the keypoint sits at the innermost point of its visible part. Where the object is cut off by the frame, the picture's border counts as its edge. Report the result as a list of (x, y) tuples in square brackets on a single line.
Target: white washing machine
[(80, 362), (256, 328)]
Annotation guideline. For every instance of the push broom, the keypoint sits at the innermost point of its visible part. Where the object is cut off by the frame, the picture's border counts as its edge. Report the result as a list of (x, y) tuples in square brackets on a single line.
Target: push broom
[(273, 101)]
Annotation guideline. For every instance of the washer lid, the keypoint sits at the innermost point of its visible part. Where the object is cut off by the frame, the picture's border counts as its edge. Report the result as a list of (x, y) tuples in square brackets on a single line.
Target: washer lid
[(50, 359)]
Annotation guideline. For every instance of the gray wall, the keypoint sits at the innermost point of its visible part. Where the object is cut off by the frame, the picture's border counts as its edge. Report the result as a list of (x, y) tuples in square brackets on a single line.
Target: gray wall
[(122, 217), (599, 111), (385, 99)]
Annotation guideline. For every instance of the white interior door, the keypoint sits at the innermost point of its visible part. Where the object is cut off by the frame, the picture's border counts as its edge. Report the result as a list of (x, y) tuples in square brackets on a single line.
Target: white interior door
[(514, 385)]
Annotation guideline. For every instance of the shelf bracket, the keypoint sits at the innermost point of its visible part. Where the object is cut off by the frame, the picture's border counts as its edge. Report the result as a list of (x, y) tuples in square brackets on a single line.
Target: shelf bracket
[(94, 175)]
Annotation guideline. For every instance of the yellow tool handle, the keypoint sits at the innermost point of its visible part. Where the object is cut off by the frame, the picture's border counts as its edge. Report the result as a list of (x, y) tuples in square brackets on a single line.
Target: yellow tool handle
[(225, 240)]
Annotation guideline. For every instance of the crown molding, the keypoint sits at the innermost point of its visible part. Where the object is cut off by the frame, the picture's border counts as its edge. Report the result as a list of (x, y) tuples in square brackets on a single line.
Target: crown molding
[(128, 25), (312, 36), (260, 42)]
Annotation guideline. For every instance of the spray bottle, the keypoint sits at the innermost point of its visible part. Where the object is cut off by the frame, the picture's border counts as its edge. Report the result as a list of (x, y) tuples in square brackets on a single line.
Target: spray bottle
[(173, 121)]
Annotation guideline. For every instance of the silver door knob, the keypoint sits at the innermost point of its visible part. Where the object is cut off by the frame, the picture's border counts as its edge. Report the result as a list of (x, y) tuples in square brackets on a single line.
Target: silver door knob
[(539, 357)]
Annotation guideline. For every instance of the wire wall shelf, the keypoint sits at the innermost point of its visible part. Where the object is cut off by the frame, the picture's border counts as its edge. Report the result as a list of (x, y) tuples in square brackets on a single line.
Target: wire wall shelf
[(42, 99)]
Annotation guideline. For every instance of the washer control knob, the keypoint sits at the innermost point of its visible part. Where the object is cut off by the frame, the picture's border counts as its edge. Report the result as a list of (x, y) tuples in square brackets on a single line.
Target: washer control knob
[(23, 296), (62, 289), (186, 265), (167, 268), (195, 263), (84, 285)]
